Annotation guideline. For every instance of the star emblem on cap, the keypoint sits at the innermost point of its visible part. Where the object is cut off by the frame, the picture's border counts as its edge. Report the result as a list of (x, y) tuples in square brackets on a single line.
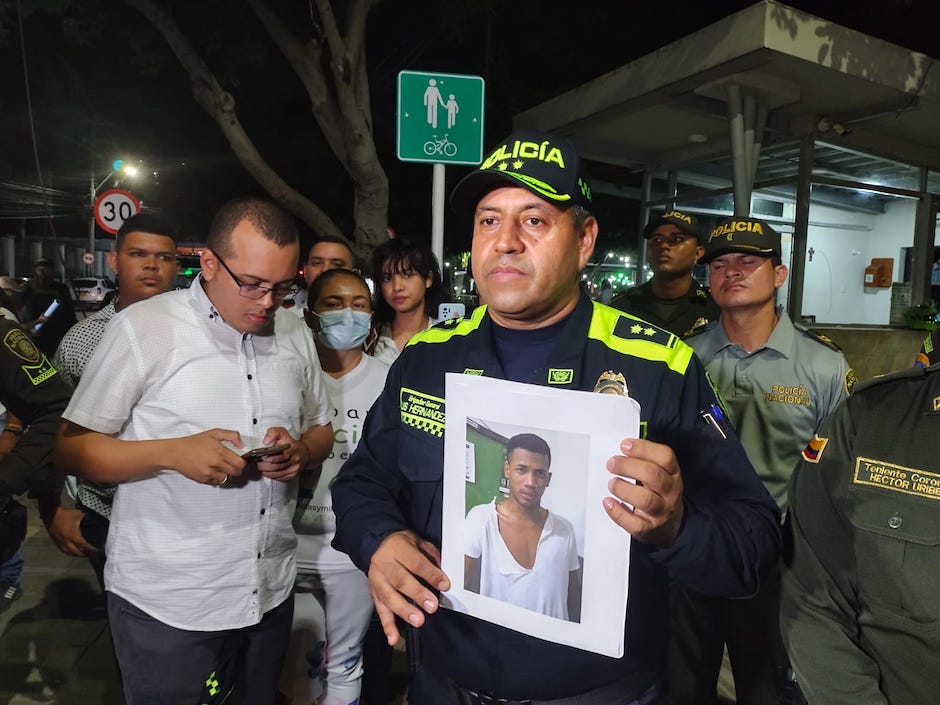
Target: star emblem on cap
[(517, 164), (502, 166)]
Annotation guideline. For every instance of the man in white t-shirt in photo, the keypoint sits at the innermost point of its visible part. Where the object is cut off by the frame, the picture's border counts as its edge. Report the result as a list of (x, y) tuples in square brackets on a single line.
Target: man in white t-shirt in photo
[(519, 552)]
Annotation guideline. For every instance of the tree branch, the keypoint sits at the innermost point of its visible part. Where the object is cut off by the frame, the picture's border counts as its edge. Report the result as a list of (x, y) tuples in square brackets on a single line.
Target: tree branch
[(220, 105), (306, 62)]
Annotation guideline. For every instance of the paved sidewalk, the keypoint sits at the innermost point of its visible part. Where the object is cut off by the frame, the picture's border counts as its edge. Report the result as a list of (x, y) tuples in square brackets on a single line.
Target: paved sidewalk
[(54, 644)]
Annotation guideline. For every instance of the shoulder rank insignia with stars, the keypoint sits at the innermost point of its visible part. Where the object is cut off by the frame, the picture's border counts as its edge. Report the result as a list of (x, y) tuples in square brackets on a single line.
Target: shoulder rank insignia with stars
[(633, 329), (818, 337)]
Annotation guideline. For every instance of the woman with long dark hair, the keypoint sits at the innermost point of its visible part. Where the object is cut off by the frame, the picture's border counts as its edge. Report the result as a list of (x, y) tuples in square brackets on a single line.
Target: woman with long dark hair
[(408, 291)]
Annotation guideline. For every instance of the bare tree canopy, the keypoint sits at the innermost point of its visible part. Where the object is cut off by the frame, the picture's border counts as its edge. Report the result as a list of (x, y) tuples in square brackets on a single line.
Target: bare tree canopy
[(330, 64)]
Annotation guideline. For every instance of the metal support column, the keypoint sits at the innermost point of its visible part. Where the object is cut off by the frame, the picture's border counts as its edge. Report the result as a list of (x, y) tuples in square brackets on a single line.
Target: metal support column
[(646, 189), (924, 235), (673, 190), (760, 122), (742, 200), (804, 187), (9, 255)]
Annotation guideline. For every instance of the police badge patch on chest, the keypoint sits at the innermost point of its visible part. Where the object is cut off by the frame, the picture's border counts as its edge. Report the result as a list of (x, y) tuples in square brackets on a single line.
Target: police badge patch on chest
[(612, 383)]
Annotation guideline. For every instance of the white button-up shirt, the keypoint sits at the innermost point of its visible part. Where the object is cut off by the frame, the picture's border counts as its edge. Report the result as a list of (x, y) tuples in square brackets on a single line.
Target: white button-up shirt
[(194, 556)]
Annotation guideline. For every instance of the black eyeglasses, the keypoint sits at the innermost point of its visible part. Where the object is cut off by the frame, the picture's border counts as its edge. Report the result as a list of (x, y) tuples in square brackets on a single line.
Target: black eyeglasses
[(254, 291)]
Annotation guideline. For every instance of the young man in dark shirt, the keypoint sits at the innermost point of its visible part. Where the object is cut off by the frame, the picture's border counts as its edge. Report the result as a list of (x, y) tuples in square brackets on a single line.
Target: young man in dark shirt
[(672, 298)]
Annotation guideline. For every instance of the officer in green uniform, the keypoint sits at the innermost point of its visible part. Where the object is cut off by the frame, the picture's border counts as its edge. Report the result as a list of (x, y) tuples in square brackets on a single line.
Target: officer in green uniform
[(780, 382), (672, 299), (860, 609), (32, 390)]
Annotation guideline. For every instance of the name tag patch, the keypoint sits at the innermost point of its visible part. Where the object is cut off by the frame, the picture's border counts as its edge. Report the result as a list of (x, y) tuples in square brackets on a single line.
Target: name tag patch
[(422, 411), (897, 478)]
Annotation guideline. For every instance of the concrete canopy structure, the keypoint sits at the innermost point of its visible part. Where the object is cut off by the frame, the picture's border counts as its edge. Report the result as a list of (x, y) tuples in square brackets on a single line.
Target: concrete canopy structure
[(769, 98)]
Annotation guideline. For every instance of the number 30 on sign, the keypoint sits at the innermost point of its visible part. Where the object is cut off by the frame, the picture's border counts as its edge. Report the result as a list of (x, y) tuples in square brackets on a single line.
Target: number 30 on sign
[(113, 207)]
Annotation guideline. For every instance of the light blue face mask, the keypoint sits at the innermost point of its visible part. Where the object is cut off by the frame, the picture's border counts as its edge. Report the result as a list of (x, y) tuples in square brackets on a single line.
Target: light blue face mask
[(344, 329)]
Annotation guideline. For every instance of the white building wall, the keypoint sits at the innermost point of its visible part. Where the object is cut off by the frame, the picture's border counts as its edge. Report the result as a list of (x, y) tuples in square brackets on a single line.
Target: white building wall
[(843, 245)]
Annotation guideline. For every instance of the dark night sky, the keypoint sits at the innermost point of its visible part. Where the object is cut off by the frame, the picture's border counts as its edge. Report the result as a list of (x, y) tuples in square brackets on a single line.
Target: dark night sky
[(122, 92)]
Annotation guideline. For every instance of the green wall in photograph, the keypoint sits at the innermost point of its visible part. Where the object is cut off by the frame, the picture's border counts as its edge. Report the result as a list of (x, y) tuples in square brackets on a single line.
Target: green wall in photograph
[(490, 454)]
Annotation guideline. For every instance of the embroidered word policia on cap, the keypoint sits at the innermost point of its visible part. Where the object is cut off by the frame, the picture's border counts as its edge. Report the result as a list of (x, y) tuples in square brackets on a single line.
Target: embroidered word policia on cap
[(679, 216), (525, 150), (732, 226)]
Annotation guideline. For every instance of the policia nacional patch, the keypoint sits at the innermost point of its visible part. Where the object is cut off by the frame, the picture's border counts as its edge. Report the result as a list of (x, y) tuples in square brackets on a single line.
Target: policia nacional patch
[(19, 344), (37, 368)]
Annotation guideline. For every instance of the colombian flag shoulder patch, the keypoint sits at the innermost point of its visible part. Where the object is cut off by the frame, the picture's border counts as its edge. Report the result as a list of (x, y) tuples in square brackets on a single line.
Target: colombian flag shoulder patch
[(814, 449)]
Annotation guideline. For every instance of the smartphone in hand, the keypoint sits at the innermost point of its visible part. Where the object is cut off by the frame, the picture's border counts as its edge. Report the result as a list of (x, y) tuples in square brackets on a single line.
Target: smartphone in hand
[(263, 451)]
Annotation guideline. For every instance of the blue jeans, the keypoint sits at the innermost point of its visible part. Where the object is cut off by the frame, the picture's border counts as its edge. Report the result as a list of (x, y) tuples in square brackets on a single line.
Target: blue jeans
[(12, 570)]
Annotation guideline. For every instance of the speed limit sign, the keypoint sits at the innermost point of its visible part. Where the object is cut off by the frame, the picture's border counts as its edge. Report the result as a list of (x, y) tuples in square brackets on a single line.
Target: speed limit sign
[(113, 207)]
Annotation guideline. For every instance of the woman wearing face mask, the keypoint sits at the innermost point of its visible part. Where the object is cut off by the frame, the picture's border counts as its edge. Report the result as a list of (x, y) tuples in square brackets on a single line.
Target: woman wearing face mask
[(408, 292), (332, 602)]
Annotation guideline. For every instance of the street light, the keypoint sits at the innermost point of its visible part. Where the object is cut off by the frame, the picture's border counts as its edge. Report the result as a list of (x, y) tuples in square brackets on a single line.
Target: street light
[(117, 166)]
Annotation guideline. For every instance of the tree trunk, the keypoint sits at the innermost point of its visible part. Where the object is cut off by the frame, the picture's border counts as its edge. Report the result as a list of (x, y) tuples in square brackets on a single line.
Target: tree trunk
[(221, 107)]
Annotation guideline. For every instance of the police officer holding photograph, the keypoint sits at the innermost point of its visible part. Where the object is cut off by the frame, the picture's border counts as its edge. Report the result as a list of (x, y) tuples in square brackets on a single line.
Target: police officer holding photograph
[(697, 510)]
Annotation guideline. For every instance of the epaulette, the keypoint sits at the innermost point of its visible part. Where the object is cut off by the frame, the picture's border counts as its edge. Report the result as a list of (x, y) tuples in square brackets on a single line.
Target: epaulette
[(447, 323), (629, 327), (818, 337), (907, 373), (702, 325)]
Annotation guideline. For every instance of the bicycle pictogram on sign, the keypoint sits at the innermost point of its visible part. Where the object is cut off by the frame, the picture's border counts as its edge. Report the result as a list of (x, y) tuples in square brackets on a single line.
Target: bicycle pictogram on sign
[(444, 146)]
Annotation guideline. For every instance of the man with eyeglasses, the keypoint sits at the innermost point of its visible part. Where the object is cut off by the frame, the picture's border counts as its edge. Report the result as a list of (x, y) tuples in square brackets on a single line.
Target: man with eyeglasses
[(201, 548), (672, 299)]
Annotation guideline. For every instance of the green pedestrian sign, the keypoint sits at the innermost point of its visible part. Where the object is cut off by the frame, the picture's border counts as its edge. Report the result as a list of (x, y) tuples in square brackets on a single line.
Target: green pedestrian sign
[(440, 118)]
